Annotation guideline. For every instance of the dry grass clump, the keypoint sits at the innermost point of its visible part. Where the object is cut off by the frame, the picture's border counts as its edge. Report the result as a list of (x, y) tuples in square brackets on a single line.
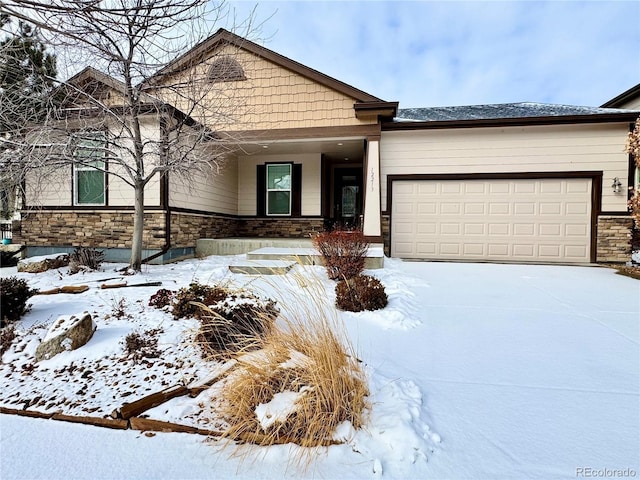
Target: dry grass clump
[(84, 258), (238, 323), (313, 364)]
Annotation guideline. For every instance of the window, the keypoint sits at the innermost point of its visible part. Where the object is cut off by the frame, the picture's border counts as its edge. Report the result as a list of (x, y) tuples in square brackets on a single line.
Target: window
[(279, 189), (88, 168), (226, 69)]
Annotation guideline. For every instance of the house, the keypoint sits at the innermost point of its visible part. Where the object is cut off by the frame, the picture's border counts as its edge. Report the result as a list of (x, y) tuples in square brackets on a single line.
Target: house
[(517, 182)]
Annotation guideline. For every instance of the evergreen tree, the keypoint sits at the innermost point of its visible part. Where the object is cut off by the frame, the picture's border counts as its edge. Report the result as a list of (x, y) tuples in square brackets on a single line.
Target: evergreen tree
[(27, 75)]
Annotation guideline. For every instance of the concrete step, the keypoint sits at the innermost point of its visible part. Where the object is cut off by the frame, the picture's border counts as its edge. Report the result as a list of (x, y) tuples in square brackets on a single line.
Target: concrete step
[(262, 267), (301, 255), (310, 256)]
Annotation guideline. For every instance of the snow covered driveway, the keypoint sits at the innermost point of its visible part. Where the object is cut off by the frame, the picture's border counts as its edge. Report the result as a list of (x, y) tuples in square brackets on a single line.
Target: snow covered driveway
[(508, 371), (527, 371)]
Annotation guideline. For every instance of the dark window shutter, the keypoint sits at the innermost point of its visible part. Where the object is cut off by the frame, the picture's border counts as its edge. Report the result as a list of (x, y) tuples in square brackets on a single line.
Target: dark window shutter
[(261, 190), (296, 190)]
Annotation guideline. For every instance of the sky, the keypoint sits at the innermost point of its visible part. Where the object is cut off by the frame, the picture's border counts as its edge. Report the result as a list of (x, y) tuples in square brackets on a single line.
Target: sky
[(436, 53)]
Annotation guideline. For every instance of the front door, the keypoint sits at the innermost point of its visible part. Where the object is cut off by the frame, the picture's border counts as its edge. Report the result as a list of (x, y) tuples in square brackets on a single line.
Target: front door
[(347, 197)]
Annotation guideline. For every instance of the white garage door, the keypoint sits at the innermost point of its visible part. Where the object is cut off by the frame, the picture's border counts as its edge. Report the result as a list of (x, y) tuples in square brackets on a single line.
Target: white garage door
[(541, 220)]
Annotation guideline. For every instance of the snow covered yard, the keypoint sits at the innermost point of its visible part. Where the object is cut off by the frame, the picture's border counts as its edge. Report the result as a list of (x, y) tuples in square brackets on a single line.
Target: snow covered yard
[(475, 371)]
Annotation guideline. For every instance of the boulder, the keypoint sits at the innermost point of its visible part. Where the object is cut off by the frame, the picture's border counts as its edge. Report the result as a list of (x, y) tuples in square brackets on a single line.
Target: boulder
[(43, 263), (67, 333)]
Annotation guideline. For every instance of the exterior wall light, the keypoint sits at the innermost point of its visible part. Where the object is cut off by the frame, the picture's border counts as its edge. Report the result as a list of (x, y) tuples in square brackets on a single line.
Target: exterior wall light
[(616, 185)]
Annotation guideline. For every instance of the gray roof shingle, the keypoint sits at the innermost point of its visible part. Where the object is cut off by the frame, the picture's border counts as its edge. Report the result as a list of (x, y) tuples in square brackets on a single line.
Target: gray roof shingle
[(498, 111)]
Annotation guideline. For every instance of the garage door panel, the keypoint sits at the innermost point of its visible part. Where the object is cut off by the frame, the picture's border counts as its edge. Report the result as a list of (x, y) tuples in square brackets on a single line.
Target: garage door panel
[(545, 220), (498, 250), (524, 208), (526, 229), (502, 208)]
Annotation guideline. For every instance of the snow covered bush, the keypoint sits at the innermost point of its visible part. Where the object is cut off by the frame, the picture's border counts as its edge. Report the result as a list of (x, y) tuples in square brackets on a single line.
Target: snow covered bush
[(142, 345), (343, 252), (360, 293), (84, 258), (238, 323), (14, 294), (188, 301), (161, 299)]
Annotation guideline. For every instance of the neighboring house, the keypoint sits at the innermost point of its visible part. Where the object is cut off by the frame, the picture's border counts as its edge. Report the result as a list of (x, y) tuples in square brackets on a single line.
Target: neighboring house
[(629, 100), (517, 182)]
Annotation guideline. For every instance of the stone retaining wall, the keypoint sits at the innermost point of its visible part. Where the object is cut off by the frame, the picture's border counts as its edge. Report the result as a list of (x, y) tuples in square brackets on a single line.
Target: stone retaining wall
[(614, 238)]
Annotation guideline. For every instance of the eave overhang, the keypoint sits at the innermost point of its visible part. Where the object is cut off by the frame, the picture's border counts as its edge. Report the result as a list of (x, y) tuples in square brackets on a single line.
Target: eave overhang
[(376, 109)]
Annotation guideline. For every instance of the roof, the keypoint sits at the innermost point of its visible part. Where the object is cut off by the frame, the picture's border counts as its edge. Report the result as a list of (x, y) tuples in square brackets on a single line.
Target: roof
[(90, 74), (497, 111), (222, 37), (505, 114), (624, 97)]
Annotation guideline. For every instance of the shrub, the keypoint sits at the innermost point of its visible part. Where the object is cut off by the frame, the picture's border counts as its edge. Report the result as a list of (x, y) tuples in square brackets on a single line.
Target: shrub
[(360, 293), (142, 345), (8, 259), (188, 301), (236, 324), (343, 252), (161, 298), (84, 258), (7, 335), (14, 294)]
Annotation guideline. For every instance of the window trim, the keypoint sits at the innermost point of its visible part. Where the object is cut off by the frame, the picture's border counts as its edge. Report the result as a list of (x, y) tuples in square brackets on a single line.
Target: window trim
[(268, 190), (96, 135)]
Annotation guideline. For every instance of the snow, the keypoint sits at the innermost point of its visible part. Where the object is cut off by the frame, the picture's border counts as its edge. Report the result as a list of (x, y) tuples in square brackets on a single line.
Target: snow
[(475, 371), (279, 408)]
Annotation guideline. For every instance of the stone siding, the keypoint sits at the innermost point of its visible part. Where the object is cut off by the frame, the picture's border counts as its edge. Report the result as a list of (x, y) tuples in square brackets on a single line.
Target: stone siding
[(386, 234), (614, 239), (187, 229), (279, 227), (91, 228)]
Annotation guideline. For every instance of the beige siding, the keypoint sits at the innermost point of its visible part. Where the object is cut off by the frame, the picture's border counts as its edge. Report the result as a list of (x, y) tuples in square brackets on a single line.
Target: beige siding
[(217, 192), (271, 97), (311, 179), (510, 149), (122, 194), (49, 187)]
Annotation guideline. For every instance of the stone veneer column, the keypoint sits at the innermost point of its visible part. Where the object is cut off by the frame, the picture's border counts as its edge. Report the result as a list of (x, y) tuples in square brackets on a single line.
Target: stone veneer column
[(614, 238)]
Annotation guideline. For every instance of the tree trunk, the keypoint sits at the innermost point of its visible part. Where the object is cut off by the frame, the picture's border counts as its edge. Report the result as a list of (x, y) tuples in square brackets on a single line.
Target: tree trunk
[(138, 228)]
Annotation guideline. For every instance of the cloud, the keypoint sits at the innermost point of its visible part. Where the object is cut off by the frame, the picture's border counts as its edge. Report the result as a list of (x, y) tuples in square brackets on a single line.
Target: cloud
[(451, 53)]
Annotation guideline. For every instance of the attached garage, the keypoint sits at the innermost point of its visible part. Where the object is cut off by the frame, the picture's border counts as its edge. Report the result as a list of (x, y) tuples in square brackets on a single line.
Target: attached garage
[(507, 183), (548, 220)]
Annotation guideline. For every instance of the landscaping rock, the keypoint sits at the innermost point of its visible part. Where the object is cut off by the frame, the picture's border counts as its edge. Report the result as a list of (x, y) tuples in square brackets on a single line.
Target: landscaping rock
[(67, 333), (43, 263)]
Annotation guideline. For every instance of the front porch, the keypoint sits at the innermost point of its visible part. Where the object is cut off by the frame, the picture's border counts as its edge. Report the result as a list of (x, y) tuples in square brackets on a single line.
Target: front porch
[(257, 250)]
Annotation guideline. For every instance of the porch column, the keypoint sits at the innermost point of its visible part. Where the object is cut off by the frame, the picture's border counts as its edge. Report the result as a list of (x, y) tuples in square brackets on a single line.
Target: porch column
[(371, 222)]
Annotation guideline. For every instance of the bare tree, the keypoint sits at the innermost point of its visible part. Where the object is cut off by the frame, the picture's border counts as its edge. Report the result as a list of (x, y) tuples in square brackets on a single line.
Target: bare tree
[(100, 117)]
